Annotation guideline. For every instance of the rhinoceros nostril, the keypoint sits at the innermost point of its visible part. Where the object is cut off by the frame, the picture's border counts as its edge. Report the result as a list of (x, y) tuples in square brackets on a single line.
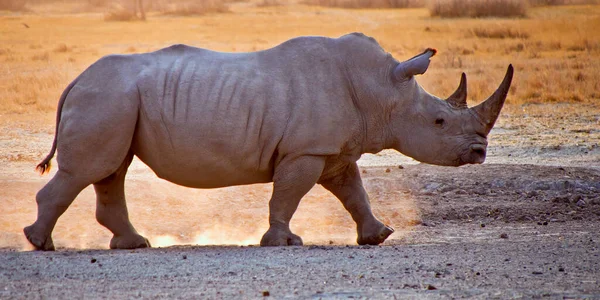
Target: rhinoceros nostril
[(479, 149)]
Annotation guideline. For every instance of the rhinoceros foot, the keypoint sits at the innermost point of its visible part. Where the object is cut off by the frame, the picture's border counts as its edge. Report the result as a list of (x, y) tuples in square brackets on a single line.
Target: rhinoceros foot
[(374, 235), (129, 242), (280, 237), (39, 241)]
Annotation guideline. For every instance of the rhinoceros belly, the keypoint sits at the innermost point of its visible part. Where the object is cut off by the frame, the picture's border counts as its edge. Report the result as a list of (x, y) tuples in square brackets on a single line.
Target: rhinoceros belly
[(201, 156)]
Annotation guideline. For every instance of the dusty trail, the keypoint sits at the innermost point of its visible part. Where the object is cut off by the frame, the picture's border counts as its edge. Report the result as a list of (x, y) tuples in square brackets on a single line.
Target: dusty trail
[(477, 231), (540, 189), (556, 261)]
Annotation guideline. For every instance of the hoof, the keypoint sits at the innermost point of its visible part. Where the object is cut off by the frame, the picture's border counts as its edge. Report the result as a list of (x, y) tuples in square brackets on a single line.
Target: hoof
[(39, 242), (377, 238), (280, 237), (129, 242)]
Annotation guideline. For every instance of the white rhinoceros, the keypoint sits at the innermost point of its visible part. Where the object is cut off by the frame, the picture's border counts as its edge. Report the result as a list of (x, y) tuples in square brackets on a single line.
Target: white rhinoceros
[(296, 115)]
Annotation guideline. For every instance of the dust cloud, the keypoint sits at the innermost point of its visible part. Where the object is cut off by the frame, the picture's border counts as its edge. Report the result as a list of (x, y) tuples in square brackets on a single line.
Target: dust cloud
[(168, 214)]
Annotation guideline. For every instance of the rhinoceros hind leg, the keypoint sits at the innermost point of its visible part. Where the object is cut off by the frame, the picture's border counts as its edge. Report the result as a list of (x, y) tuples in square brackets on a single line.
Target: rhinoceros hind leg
[(111, 209), (129, 242), (52, 200), (292, 179), (374, 235)]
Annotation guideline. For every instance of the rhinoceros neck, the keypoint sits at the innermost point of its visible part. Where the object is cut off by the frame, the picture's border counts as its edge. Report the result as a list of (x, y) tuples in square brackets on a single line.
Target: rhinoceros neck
[(373, 108), (374, 133), (368, 69)]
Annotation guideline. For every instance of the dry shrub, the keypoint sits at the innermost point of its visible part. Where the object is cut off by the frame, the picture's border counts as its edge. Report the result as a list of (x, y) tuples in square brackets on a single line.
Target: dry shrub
[(367, 3), (191, 8), (477, 8), (13, 5), (554, 45), (583, 45), (120, 14), (98, 3), (519, 47), (41, 57), (265, 3), (499, 33), (561, 2), (61, 48), (576, 48)]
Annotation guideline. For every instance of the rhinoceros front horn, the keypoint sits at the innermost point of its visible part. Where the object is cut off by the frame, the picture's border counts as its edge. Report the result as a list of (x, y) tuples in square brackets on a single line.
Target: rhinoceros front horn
[(459, 98), (489, 110)]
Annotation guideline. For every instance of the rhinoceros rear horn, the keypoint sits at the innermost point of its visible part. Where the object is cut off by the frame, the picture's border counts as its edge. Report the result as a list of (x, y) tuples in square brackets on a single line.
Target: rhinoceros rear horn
[(459, 98), (414, 66), (489, 110)]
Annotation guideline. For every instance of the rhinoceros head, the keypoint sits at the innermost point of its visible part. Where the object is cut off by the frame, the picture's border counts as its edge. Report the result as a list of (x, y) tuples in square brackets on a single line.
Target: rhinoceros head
[(442, 132)]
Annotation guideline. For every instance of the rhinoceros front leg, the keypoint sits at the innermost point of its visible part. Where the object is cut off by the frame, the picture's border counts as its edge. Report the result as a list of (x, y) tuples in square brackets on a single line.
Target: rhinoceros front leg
[(292, 179), (347, 186)]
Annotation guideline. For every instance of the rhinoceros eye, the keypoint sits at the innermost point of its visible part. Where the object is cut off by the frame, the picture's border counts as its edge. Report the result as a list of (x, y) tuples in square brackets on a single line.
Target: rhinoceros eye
[(440, 122)]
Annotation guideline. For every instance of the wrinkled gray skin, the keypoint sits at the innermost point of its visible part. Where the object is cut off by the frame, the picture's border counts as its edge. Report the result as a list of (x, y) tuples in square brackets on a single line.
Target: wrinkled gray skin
[(298, 114)]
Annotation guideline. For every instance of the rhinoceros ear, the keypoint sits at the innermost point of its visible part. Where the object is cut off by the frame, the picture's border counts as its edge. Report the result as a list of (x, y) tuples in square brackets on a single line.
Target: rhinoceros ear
[(414, 66)]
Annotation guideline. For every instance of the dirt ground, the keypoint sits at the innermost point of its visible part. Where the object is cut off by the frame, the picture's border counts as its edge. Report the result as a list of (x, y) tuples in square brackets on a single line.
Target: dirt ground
[(559, 260), (525, 224)]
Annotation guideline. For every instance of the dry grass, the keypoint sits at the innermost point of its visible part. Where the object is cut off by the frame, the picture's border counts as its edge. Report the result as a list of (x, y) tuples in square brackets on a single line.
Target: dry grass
[(499, 33), (562, 2), (367, 3), (26, 92), (446, 8), (267, 3), (99, 3), (120, 14), (61, 48), (478, 8), (124, 10), (194, 8), (13, 5), (121, 11), (555, 51)]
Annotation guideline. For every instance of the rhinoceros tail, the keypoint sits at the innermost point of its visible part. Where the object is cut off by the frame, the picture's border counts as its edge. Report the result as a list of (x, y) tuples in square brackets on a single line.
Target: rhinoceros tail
[(45, 165)]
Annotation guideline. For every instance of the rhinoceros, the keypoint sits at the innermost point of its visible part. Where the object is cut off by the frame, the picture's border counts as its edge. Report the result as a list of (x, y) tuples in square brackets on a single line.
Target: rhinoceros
[(299, 114)]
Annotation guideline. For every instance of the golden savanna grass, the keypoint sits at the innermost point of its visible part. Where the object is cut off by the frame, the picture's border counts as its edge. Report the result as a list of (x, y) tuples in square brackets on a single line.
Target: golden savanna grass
[(13, 5), (492, 8), (367, 3), (555, 49), (478, 8), (124, 11)]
